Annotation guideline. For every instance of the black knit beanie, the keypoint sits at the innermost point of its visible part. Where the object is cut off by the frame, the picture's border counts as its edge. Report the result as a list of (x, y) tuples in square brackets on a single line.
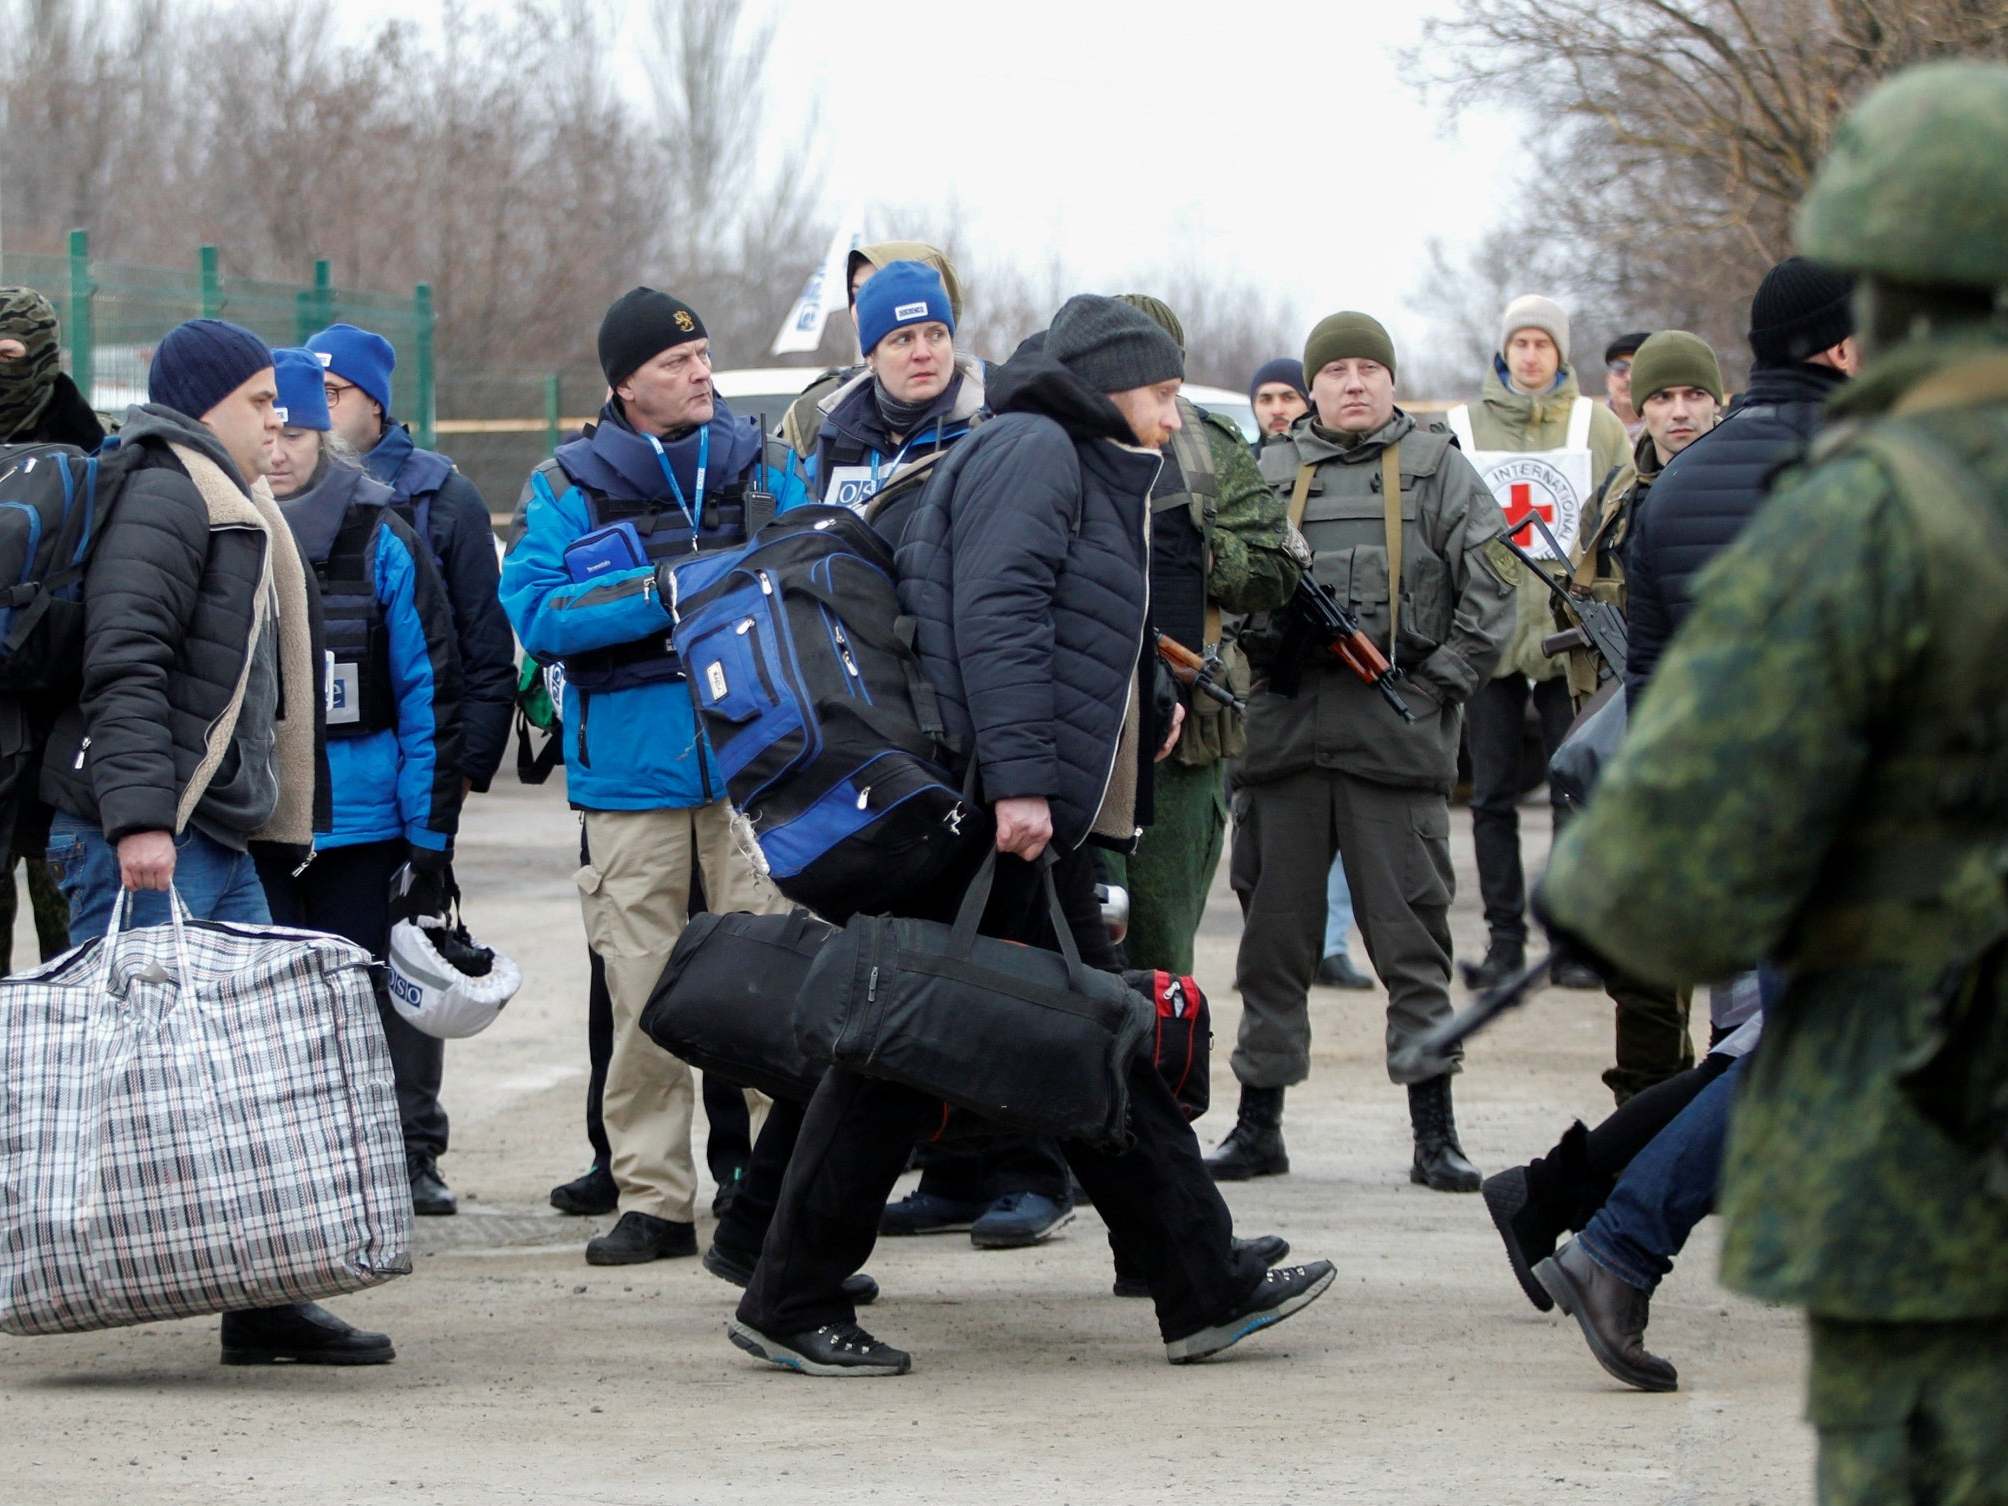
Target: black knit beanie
[(640, 326), (1112, 346), (1801, 309)]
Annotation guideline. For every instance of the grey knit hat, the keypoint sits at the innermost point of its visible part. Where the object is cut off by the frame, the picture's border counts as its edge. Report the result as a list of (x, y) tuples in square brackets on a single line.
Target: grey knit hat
[(1112, 346), (1532, 311)]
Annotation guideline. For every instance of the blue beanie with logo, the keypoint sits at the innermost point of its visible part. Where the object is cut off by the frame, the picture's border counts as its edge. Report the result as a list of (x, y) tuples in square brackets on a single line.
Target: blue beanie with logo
[(360, 356), (200, 363), (303, 391), (905, 292)]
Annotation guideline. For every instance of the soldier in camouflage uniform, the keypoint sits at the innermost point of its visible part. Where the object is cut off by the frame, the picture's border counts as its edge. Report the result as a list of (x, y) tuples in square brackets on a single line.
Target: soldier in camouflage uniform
[(1820, 778), (1220, 540), (1333, 769)]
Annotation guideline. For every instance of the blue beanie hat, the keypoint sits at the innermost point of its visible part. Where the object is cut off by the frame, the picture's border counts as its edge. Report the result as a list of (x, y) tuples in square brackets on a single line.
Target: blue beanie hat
[(303, 390), (905, 292), (200, 363), (1287, 369), (359, 356)]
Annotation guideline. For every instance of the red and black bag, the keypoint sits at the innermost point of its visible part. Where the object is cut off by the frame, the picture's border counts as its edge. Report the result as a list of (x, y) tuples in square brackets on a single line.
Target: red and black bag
[(1183, 1044)]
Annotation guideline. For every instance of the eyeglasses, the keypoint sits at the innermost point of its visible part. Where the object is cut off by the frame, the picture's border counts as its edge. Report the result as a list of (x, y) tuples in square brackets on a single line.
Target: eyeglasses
[(335, 391), (1615, 368)]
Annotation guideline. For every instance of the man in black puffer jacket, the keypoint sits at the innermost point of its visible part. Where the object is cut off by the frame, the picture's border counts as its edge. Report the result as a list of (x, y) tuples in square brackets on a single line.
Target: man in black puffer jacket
[(1802, 336), (1025, 568)]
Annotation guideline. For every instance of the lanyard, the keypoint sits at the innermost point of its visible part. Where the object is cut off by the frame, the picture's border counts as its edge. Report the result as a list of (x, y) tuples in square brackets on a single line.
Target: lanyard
[(896, 459), (692, 512)]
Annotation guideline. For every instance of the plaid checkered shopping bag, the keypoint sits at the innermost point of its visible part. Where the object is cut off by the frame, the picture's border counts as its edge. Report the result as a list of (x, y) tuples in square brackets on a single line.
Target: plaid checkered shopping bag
[(194, 1117)]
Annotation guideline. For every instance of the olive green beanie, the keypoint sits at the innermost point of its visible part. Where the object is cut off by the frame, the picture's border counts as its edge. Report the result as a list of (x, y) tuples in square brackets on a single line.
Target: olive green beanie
[(1674, 358), (1340, 337), (1158, 310)]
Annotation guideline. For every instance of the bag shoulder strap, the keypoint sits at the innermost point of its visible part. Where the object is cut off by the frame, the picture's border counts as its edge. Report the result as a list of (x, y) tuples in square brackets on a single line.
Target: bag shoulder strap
[(1579, 424), (1300, 494), (1391, 513)]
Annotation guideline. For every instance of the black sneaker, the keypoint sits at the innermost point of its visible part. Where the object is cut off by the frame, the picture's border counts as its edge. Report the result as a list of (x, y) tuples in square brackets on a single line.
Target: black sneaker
[(860, 1289), (1283, 1291), (594, 1193), (638, 1237), (838, 1350), (1270, 1247), (430, 1196)]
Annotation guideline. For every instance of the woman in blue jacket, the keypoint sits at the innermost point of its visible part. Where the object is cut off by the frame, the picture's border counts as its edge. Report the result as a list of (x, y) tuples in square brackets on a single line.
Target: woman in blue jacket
[(393, 711)]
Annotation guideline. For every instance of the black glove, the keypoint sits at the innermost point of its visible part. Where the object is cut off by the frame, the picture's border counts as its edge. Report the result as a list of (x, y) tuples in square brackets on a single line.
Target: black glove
[(422, 888)]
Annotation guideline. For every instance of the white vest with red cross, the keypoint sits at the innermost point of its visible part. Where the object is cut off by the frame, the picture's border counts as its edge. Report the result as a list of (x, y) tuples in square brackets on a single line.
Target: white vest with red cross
[(1553, 485)]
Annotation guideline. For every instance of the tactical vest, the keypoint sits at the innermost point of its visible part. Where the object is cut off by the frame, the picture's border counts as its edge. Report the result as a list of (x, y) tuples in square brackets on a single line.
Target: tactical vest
[(1920, 877), (665, 535), (1183, 505), (361, 698)]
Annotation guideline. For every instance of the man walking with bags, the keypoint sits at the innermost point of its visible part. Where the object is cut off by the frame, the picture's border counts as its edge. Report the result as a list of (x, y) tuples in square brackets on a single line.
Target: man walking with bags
[(1024, 568), (197, 730)]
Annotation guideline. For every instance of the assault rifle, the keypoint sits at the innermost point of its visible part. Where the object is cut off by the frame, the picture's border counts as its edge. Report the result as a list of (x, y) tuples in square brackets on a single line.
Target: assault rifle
[(1203, 673), (1316, 622), (1599, 625), (1429, 1056)]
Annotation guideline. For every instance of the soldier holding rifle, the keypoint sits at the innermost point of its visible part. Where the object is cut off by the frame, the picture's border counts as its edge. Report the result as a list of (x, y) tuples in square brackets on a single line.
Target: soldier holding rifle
[(1335, 766)]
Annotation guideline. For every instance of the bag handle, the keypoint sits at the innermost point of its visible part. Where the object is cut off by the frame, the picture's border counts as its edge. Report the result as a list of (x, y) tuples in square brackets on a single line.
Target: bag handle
[(177, 917), (962, 939)]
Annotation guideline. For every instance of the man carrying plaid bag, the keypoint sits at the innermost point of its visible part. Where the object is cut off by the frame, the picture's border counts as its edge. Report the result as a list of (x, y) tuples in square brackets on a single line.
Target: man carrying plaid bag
[(198, 728)]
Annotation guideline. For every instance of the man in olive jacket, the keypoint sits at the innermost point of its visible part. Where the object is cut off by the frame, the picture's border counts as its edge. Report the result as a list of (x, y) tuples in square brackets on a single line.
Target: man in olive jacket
[(1334, 769)]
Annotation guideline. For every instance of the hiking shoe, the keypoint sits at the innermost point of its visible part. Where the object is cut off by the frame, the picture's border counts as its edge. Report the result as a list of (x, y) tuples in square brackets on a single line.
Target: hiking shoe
[(1283, 1291), (860, 1289), (1018, 1219), (924, 1213), (837, 1350), (595, 1192), (430, 1196), (300, 1333), (1270, 1247), (638, 1237), (1337, 971)]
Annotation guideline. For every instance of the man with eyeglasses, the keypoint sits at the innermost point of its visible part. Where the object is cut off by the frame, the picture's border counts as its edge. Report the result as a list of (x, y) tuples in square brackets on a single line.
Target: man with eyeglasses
[(1617, 381), (447, 513), (666, 470)]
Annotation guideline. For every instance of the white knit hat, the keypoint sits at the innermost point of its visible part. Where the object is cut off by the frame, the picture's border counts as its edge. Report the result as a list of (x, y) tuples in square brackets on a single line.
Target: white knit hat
[(1532, 311)]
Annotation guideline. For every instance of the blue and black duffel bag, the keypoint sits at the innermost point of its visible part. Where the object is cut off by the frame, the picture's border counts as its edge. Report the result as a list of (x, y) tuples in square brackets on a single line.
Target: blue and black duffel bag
[(826, 731)]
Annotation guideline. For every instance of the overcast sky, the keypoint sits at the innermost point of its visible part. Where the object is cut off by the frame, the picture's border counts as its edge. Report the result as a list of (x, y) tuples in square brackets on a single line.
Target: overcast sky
[(1276, 139)]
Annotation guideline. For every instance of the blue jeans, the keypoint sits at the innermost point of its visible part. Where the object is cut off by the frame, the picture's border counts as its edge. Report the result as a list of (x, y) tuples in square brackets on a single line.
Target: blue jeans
[(1338, 912), (1669, 1187), (214, 882)]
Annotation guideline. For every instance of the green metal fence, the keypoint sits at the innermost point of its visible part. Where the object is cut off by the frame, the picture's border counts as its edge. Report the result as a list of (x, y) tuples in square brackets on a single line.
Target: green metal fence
[(114, 313)]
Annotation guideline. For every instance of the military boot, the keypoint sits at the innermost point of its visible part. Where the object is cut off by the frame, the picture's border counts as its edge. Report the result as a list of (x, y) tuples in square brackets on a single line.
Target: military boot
[(1254, 1147), (1503, 958), (1439, 1160)]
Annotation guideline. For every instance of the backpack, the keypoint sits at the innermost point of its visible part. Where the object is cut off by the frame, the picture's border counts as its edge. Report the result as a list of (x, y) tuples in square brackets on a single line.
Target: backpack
[(826, 731), (53, 502)]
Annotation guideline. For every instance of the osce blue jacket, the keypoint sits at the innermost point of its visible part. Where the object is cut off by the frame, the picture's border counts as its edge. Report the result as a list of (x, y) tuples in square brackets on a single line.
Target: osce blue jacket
[(447, 512), (402, 783), (638, 747)]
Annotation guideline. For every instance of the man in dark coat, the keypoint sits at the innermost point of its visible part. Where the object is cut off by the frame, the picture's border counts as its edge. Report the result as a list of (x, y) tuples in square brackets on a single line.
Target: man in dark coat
[(1802, 336), (1024, 568), (39, 404)]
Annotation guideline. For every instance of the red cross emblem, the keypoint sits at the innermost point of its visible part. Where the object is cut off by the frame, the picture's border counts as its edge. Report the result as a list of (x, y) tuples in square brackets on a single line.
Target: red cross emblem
[(1520, 507)]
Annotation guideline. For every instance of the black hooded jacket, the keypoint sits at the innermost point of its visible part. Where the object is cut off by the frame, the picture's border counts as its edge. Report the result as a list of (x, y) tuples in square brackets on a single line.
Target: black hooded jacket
[(1703, 498), (1025, 567)]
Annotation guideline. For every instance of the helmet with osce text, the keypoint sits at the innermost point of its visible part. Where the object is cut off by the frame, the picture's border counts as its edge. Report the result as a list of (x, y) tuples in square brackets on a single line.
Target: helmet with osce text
[(445, 983)]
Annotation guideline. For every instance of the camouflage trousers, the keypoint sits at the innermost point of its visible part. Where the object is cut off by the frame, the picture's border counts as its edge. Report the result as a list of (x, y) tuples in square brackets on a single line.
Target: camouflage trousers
[(1174, 865), (1652, 1039), (1911, 1414)]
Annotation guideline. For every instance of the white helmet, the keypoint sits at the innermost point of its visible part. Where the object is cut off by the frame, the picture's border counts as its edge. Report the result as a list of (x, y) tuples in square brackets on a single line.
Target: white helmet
[(445, 983)]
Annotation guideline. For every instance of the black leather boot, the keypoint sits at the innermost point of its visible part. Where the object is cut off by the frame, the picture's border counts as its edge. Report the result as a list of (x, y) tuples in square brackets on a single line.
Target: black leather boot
[(1503, 958), (1612, 1314), (1254, 1147), (1439, 1160), (1532, 1206)]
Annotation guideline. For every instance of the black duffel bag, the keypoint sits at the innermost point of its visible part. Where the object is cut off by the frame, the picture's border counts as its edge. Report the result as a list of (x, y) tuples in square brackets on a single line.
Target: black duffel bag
[(726, 1000), (1027, 1038)]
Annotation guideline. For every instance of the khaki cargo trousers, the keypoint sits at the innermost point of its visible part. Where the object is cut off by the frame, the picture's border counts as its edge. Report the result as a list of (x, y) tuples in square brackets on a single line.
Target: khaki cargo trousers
[(635, 893)]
